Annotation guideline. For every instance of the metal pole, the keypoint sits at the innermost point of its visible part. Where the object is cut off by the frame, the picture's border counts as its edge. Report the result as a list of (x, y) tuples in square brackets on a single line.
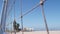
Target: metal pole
[(45, 20), (41, 3)]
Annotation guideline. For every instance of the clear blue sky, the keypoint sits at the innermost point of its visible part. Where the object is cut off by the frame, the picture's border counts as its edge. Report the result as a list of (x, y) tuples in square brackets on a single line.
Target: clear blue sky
[(35, 19)]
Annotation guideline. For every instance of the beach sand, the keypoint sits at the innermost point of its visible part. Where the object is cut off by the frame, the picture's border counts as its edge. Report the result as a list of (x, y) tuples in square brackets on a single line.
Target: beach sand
[(38, 32)]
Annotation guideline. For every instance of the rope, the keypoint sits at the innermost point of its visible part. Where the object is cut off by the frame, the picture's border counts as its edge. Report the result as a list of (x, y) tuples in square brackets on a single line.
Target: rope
[(10, 8), (21, 16), (30, 10), (27, 11), (14, 17), (14, 10)]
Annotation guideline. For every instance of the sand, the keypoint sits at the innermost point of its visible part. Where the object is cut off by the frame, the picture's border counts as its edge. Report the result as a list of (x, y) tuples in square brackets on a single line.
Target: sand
[(39, 32)]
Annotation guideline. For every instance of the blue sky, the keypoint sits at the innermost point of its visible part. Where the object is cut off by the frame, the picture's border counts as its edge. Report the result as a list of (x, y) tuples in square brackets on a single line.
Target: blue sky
[(35, 19)]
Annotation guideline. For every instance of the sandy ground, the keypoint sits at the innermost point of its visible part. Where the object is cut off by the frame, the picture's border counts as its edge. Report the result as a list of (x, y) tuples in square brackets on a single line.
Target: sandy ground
[(39, 32)]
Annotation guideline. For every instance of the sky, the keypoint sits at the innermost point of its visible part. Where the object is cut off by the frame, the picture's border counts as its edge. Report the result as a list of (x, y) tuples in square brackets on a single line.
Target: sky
[(35, 19)]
